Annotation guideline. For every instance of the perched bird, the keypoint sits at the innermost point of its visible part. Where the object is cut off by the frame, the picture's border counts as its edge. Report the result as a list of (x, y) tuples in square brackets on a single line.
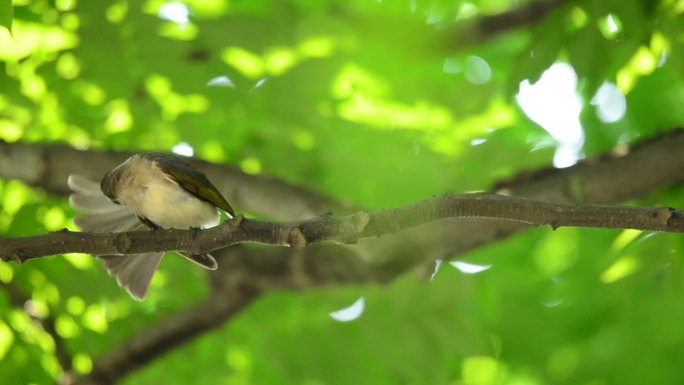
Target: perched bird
[(150, 190)]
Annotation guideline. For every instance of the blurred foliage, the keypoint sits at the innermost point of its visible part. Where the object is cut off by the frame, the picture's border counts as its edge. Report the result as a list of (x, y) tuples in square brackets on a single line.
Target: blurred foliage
[(372, 102)]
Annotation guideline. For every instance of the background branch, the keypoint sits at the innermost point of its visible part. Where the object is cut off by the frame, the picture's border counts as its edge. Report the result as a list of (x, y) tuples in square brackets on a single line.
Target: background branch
[(47, 166), (477, 30)]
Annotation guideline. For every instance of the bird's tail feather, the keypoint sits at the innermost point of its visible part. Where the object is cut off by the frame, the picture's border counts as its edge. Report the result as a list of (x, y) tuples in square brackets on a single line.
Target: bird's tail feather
[(133, 272)]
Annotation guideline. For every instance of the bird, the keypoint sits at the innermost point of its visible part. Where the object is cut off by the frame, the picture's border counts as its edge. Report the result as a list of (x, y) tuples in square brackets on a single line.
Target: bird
[(147, 191)]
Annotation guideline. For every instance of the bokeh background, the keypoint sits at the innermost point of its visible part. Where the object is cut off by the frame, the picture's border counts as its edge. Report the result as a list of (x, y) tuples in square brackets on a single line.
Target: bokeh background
[(373, 104)]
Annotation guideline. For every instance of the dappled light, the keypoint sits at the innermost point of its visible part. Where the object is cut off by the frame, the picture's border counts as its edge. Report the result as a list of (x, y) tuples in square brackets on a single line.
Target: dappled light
[(259, 83), (644, 62), (183, 32), (221, 81), (610, 26), (30, 38), (610, 103), (482, 370), (80, 261), (120, 118), (477, 70), (620, 269), (249, 64), (554, 104), (251, 165), (184, 149), (469, 268), (349, 313), (175, 12), (625, 238), (174, 104), (53, 218)]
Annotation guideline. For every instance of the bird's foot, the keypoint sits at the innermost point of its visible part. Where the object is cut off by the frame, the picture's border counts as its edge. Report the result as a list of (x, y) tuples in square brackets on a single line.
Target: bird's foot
[(195, 231)]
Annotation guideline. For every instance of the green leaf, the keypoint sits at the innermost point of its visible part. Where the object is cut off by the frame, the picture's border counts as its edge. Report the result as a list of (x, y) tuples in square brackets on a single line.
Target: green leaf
[(6, 14), (589, 54), (540, 54)]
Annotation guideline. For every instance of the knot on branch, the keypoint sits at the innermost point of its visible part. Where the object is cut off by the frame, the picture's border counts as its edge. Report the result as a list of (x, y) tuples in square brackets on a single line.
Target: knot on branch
[(662, 215), (122, 243), (235, 222), (296, 238), (360, 221)]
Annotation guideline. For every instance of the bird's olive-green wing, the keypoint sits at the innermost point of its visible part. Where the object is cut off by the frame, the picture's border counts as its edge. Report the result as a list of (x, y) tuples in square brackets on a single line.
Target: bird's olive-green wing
[(191, 180)]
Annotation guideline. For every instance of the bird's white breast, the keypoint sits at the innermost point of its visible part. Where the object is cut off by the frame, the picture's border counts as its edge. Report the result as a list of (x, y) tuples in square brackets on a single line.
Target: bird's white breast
[(153, 195)]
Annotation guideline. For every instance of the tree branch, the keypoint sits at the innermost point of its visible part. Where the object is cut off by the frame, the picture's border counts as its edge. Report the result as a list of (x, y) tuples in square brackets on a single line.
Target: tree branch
[(348, 229), (472, 32)]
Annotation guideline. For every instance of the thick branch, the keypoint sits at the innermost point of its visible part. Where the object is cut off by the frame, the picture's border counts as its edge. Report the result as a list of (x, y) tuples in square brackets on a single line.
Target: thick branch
[(347, 229)]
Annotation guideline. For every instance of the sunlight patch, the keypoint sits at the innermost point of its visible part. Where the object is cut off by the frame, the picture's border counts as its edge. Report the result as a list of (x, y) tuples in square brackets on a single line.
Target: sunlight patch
[(610, 103), (554, 104), (477, 70), (319, 47), (120, 118), (622, 268), (6, 339), (625, 238), (82, 363), (66, 327), (260, 83), (75, 306), (246, 62), (175, 12), (643, 62), (6, 273), (30, 38), (183, 149), (79, 261), (610, 26), (221, 81), (480, 370), (438, 265), (349, 313), (251, 165), (469, 268), (95, 320)]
